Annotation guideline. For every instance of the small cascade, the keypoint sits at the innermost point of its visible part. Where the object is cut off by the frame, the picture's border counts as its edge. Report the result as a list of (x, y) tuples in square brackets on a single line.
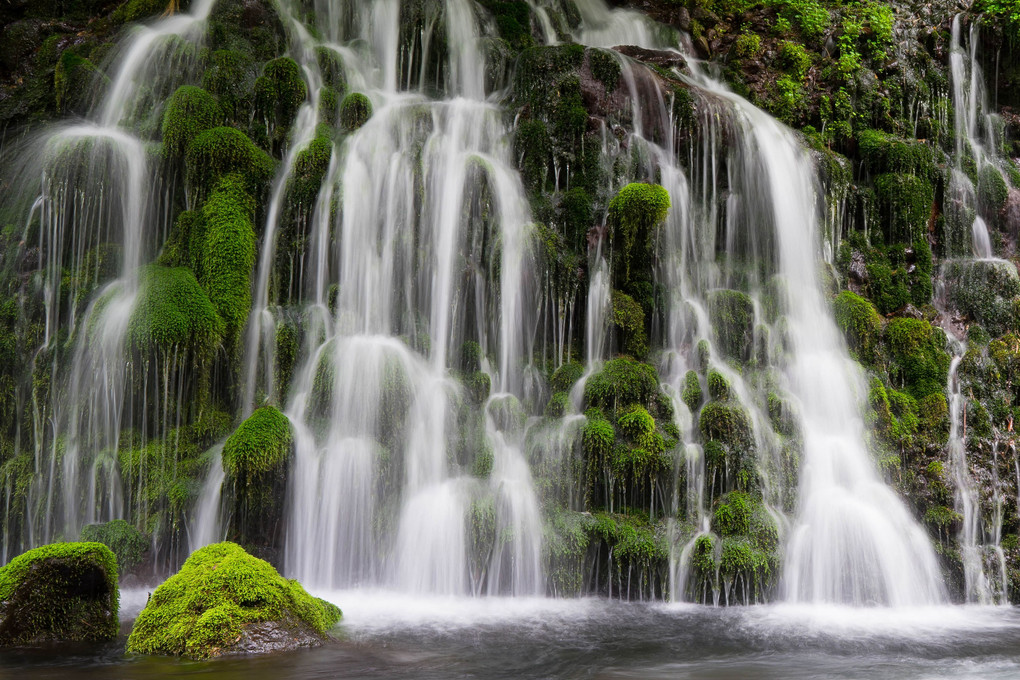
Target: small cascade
[(977, 144), (207, 524)]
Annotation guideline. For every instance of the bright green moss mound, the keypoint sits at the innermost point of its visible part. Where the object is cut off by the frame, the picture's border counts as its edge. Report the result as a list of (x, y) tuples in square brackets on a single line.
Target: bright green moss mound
[(126, 542), (173, 311), (860, 323), (189, 111), (59, 592), (260, 443), (280, 91), (920, 363), (692, 393), (203, 610), (565, 376), (310, 167), (621, 382), (228, 255), (355, 110), (634, 214), (224, 150)]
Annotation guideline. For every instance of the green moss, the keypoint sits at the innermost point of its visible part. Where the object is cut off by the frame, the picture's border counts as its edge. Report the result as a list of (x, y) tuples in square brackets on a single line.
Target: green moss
[(189, 111), (992, 190), (747, 45), (331, 67), (565, 376), (260, 444), (904, 205), (732, 315), (718, 386), (310, 168), (355, 110), (230, 76), (629, 319), (329, 105), (558, 406), (513, 21), (172, 311), (635, 214), (203, 610), (919, 360), (621, 382), (598, 435), (229, 252), (280, 91), (60, 592), (984, 290), (72, 79), (134, 10), (127, 543), (692, 394), (727, 424), (883, 153), (794, 59), (222, 150), (860, 323), (605, 67)]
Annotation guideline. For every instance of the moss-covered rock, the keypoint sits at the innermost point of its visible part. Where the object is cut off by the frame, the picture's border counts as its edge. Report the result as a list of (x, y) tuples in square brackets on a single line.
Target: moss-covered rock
[(565, 376), (173, 312), (732, 315), (635, 214), (986, 291), (279, 92), (692, 394), (629, 320), (919, 362), (355, 110), (256, 458), (127, 543), (59, 592), (904, 205), (224, 601), (228, 252), (860, 323), (621, 382), (223, 150), (189, 111)]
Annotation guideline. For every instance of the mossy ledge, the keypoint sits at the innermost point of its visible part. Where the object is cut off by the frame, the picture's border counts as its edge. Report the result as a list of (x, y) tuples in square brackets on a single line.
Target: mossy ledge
[(222, 602), (59, 592)]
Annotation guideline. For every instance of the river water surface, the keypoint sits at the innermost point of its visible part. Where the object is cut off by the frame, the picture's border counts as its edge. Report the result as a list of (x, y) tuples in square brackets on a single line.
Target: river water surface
[(387, 635)]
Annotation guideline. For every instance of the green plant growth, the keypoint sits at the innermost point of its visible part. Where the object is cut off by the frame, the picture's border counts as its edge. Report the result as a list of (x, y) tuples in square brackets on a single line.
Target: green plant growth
[(919, 362), (621, 382), (279, 92), (127, 543), (60, 592), (635, 214), (355, 110), (189, 111), (219, 594), (861, 325), (732, 315), (172, 311), (225, 150), (629, 320)]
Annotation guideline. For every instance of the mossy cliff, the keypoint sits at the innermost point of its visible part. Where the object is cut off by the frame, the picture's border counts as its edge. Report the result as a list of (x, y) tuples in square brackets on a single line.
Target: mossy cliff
[(224, 601)]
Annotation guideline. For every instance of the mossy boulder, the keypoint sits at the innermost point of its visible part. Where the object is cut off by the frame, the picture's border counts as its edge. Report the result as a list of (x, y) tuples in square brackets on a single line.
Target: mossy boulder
[(223, 150), (860, 323), (732, 315), (986, 291), (189, 111), (310, 168), (355, 110), (621, 382), (635, 214), (919, 362), (224, 601), (173, 312), (256, 458), (629, 320), (904, 204), (565, 376), (127, 543), (59, 592)]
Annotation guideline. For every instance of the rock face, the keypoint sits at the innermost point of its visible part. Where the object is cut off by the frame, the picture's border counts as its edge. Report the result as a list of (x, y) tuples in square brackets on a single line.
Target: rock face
[(224, 601), (59, 592)]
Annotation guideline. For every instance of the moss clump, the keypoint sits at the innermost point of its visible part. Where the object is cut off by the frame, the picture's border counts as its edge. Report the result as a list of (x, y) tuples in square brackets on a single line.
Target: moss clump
[(718, 386), (629, 319), (732, 315), (280, 91), (984, 290), (127, 543), (565, 376), (747, 45), (727, 424), (172, 311), (605, 67), (228, 254), (635, 214), (860, 323), (692, 394), (919, 360), (310, 167), (259, 445), (355, 110), (331, 67), (230, 76), (884, 153), (59, 592), (72, 79), (904, 204), (621, 382), (558, 406), (208, 607), (223, 150), (189, 111)]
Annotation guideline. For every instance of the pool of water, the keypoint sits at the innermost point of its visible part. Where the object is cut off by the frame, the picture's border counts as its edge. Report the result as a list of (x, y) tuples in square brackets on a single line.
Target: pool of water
[(387, 635)]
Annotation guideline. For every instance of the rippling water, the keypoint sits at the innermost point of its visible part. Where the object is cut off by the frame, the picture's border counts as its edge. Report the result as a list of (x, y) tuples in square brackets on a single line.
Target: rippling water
[(387, 635)]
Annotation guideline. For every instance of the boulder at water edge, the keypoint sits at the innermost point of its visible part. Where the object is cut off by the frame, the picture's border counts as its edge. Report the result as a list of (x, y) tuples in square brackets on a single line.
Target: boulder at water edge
[(59, 592), (224, 601)]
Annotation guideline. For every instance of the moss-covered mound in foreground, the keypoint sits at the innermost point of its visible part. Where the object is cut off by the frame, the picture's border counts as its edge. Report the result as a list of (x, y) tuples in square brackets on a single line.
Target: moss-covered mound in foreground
[(64, 591), (224, 601)]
